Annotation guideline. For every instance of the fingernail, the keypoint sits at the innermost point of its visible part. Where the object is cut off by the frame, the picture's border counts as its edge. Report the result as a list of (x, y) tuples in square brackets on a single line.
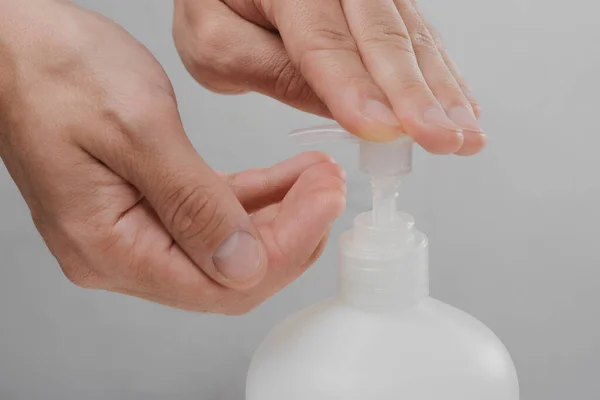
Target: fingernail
[(464, 117), (435, 116), (238, 257), (378, 111)]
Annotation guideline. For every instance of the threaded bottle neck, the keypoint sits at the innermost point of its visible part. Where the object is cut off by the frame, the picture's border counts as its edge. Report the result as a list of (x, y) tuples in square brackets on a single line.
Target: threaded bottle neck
[(383, 267)]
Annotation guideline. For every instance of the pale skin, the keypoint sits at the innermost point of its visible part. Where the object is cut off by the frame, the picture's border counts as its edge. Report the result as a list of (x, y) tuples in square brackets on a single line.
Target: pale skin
[(91, 134)]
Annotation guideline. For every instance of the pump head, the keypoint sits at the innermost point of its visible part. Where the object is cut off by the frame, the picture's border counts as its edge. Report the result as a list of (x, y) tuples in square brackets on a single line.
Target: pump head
[(383, 256), (385, 163)]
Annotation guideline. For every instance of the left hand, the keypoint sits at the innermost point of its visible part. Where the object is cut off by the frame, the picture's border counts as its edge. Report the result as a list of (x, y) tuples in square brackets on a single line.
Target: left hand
[(376, 66), (91, 134)]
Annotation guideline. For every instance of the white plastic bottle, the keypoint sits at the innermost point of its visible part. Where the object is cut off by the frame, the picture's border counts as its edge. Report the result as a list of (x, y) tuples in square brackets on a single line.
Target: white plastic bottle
[(382, 337)]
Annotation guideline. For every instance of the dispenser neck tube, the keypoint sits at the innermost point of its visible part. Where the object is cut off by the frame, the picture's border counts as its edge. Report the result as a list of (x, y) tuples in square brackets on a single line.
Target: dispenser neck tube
[(385, 195)]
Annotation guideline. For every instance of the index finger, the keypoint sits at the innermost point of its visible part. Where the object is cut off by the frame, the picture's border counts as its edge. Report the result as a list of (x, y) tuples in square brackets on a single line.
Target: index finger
[(317, 37)]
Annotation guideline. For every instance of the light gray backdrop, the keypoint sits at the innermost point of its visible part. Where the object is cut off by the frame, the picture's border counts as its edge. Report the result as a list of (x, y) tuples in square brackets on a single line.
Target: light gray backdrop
[(514, 232)]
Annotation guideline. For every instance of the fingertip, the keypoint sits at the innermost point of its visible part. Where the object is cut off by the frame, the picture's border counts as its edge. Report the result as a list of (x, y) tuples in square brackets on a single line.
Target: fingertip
[(382, 124), (317, 157), (477, 110), (328, 180), (435, 138), (369, 117), (306, 214), (328, 203), (301, 162), (324, 192), (331, 167), (441, 143), (474, 143)]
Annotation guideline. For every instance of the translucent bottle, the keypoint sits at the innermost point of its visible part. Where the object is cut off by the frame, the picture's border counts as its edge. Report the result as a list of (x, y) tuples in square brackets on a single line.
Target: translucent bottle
[(382, 337)]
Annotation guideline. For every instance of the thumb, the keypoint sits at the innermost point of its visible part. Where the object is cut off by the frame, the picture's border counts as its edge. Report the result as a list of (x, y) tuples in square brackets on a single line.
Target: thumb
[(206, 220), (195, 205)]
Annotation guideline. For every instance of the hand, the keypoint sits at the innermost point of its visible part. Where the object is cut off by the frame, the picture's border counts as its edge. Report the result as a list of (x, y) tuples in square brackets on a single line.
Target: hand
[(376, 66), (90, 132)]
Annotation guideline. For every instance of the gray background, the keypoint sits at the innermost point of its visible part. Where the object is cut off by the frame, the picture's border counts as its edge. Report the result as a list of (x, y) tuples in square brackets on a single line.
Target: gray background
[(513, 231)]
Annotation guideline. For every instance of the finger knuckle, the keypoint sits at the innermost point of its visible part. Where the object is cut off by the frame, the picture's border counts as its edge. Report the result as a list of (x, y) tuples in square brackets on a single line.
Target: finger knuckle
[(449, 89), (211, 40), (324, 37), (194, 213), (138, 116), (208, 58), (290, 84), (435, 36), (139, 110), (438, 42), (423, 43), (313, 60), (388, 34), (212, 35), (412, 87), (466, 89)]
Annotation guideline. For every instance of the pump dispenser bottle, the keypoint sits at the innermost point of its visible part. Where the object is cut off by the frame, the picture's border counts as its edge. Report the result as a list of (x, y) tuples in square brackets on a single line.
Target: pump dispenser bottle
[(382, 337)]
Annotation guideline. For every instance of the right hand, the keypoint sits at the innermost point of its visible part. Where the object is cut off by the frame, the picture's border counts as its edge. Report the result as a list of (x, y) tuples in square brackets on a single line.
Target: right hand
[(90, 132), (376, 66)]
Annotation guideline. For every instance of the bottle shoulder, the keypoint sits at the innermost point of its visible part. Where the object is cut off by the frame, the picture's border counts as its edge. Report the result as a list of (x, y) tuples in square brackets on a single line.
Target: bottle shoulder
[(429, 317), (431, 340)]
